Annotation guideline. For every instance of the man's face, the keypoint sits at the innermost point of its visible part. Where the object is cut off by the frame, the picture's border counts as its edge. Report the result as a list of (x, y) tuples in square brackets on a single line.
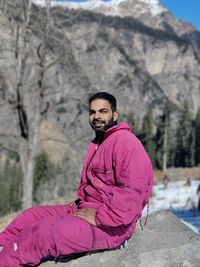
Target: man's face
[(101, 116)]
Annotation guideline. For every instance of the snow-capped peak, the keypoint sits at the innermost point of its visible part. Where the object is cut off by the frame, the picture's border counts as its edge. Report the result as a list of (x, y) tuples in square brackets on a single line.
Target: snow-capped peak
[(89, 3), (112, 7)]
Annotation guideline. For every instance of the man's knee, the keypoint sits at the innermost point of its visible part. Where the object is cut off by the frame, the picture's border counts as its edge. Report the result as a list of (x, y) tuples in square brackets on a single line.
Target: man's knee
[(74, 234), (28, 213)]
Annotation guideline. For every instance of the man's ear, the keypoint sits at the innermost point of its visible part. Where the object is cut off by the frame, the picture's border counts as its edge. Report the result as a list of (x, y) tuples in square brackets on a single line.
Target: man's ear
[(115, 115)]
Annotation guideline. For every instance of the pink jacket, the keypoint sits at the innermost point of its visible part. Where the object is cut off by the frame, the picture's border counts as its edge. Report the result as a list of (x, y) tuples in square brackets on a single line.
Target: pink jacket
[(117, 178)]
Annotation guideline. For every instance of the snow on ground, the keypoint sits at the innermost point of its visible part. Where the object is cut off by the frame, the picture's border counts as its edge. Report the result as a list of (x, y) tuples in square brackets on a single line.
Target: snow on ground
[(180, 199), (175, 196)]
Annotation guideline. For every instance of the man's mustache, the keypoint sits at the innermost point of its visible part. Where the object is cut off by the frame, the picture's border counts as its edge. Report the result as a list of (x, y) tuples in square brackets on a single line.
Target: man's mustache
[(96, 120)]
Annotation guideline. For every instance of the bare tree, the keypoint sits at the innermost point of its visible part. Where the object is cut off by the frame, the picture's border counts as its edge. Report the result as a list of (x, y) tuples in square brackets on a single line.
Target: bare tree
[(29, 122), (35, 36), (30, 111)]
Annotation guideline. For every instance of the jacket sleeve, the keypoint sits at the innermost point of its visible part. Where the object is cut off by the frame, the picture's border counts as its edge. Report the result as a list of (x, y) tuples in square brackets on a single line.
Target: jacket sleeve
[(83, 180), (79, 191), (134, 180)]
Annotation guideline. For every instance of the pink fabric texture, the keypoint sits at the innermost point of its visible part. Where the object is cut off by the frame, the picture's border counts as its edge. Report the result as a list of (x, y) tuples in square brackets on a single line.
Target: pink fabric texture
[(116, 180), (44, 231)]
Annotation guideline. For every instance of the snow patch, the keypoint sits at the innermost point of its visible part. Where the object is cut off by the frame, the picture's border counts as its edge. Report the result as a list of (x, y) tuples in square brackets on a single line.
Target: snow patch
[(177, 197), (90, 4), (154, 5)]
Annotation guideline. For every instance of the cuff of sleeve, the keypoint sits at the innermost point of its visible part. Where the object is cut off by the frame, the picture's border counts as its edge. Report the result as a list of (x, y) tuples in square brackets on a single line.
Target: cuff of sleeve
[(77, 201)]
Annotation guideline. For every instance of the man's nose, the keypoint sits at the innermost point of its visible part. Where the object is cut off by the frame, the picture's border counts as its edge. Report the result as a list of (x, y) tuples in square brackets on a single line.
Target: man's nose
[(97, 115)]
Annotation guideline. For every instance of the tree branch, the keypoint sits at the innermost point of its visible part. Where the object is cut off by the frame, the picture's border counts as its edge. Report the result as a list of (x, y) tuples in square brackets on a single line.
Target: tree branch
[(54, 140), (23, 122), (9, 149)]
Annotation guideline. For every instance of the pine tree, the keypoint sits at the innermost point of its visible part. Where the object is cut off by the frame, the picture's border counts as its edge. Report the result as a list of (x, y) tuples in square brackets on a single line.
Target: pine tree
[(163, 140), (147, 136), (197, 138), (185, 140), (15, 190), (44, 171), (4, 190), (133, 122), (10, 187)]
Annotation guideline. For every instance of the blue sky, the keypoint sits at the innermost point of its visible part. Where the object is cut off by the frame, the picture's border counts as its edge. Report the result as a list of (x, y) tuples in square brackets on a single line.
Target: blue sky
[(187, 10)]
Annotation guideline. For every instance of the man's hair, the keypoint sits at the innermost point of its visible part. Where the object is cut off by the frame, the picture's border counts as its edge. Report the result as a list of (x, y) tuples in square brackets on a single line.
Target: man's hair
[(106, 96)]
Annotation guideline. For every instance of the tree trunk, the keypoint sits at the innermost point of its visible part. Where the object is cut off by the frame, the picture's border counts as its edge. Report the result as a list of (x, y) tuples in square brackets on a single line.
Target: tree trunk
[(28, 185), (165, 151), (28, 153)]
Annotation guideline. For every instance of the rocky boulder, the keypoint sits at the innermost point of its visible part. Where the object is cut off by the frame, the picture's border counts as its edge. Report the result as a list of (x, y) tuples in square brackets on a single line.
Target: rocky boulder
[(164, 242)]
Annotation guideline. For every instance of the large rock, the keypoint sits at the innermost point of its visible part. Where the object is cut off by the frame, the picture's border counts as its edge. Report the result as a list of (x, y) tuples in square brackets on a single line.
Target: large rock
[(164, 242)]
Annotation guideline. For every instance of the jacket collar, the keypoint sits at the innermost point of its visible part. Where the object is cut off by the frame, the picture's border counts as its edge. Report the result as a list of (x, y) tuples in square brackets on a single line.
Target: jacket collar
[(111, 130), (120, 126)]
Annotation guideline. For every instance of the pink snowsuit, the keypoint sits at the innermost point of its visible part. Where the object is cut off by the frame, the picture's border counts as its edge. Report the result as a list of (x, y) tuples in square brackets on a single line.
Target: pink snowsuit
[(116, 180)]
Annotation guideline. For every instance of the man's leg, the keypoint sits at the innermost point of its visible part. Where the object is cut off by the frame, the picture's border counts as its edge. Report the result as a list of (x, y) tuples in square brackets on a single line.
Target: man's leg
[(52, 236), (30, 216)]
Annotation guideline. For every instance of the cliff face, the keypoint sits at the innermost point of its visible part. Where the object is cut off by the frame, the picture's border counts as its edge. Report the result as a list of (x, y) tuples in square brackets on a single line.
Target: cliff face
[(72, 53)]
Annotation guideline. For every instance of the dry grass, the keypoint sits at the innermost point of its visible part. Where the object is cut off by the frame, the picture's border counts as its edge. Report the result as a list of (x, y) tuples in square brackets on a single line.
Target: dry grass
[(176, 174), (5, 220)]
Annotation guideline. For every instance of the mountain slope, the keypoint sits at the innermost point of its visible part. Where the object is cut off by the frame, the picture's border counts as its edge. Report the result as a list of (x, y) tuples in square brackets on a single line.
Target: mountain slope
[(149, 12)]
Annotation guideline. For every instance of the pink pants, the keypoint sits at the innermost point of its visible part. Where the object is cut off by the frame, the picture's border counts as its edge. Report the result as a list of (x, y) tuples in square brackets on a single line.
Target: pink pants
[(44, 231)]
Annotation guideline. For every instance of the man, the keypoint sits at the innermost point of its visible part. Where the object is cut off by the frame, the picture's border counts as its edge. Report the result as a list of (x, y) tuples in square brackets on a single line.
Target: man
[(116, 184)]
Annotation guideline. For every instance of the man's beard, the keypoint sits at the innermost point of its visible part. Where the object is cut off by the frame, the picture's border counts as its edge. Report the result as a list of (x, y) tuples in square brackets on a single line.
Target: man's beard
[(100, 126)]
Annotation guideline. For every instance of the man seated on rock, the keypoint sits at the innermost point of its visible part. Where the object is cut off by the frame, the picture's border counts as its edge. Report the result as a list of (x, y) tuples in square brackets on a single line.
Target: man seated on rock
[(116, 184)]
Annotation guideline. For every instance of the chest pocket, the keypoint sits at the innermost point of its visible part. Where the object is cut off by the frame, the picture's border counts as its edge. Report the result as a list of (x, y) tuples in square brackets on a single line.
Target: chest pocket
[(104, 175)]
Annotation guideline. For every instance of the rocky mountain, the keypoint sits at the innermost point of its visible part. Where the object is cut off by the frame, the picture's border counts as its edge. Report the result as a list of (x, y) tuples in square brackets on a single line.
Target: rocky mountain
[(52, 58), (149, 12), (124, 16)]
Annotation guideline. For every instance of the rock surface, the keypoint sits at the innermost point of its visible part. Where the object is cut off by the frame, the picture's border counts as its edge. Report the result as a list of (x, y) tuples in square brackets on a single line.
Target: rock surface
[(164, 242)]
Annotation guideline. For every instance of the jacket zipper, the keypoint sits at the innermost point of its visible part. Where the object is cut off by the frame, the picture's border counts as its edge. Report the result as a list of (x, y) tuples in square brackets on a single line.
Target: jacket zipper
[(97, 170), (95, 151), (129, 186)]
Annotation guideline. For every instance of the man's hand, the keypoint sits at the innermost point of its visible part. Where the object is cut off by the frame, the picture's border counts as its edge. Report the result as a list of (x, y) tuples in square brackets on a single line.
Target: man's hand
[(73, 203), (88, 214)]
